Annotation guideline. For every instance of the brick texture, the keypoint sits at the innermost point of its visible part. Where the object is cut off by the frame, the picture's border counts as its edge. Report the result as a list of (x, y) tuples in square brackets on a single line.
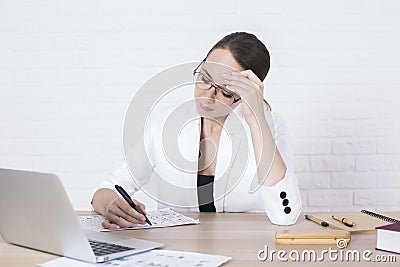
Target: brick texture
[(69, 68)]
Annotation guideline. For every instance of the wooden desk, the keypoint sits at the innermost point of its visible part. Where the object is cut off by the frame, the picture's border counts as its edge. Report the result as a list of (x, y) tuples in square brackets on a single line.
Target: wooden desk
[(239, 235)]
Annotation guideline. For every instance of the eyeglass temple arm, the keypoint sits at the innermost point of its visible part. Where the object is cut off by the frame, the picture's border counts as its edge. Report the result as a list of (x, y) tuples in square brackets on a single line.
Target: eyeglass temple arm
[(198, 66)]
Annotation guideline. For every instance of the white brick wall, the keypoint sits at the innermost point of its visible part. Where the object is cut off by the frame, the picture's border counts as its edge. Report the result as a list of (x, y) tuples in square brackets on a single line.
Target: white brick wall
[(69, 68)]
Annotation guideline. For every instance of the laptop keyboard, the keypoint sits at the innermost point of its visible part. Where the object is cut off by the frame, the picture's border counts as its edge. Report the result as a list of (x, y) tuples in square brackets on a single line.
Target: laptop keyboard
[(104, 248)]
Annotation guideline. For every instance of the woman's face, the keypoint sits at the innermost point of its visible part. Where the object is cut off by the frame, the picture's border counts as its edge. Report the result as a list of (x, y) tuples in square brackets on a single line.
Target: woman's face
[(215, 103)]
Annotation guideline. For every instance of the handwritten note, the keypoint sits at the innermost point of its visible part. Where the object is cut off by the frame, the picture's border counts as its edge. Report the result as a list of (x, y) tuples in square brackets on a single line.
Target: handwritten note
[(159, 218)]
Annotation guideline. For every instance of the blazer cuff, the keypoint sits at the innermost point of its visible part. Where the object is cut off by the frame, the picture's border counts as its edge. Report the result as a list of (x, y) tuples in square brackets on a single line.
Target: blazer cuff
[(282, 201)]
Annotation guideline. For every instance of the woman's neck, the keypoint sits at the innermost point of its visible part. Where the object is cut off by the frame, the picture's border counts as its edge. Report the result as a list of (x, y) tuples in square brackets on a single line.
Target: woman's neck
[(212, 126)]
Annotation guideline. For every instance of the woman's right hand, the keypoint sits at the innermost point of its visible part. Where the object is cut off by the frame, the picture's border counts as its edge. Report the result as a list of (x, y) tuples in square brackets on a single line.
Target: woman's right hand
[(119, 213)]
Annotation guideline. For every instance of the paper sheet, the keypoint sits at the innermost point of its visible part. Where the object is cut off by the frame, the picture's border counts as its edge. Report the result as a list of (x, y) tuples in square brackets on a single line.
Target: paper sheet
[(150, 258), (159, 218)]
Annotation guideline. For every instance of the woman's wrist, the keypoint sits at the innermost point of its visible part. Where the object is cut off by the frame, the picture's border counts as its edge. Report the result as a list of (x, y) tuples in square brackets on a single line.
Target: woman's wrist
[(256, 121)]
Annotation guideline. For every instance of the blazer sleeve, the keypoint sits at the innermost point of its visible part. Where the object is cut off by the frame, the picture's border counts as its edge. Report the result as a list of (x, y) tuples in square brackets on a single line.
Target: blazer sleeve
[(282, 201), (121, 175)]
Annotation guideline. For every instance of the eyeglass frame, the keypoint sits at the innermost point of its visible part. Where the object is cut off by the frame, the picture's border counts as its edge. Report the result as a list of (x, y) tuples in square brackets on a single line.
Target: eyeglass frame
[(220, 87), (215, 85)]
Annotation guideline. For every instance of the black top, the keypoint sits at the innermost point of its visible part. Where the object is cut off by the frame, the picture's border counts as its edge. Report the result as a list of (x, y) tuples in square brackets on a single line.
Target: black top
[(205, 191)]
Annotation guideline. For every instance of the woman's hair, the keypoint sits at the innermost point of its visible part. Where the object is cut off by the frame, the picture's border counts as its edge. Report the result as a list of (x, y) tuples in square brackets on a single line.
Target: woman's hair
[(248, 51)]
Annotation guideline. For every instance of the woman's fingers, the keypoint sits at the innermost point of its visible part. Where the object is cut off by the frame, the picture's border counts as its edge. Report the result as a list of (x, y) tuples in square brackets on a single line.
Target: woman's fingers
[(238, 80), (253, 78), (246, 80), (116, 219), (243, 82), (116, 223), (120, 213), (140, 205), (128, 210), (109, 225)]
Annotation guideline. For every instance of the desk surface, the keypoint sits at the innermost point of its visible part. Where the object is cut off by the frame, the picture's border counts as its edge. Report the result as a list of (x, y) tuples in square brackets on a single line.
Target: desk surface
[(239, 235)]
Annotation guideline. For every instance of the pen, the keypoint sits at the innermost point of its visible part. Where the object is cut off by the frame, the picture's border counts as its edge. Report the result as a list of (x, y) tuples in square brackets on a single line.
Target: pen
[(128, 199), (316, 220), (344, 221)]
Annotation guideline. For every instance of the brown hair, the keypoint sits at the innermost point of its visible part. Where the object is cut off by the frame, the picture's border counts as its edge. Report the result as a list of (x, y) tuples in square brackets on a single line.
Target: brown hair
[(248, 51)]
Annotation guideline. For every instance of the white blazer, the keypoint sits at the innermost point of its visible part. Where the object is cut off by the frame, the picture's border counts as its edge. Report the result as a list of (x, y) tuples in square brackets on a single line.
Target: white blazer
[(235, 173)]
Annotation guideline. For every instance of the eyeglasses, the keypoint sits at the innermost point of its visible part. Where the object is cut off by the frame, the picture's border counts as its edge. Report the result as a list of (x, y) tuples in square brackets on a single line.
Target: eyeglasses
[(204, 82)]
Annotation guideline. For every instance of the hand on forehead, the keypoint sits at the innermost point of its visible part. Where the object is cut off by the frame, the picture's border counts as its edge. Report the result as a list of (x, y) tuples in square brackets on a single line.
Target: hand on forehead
[(220, 61), (215, 70)]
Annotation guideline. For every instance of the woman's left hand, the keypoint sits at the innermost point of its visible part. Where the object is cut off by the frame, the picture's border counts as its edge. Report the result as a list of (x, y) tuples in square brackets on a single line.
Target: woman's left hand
[(250, 88)]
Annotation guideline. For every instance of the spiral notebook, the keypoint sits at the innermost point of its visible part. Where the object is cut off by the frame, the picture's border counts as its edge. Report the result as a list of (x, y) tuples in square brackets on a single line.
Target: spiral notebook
[(365, 220)]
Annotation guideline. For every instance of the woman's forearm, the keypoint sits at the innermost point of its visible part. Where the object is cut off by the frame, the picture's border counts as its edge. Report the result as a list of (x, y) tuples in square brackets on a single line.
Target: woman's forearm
[(270, 165)]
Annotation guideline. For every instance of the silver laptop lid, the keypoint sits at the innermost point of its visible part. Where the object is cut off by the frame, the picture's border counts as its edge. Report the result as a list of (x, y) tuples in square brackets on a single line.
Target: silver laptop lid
[(36, 213)]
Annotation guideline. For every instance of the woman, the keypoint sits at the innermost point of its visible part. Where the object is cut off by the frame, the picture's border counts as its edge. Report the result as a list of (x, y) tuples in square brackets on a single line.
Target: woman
[(220, 92)]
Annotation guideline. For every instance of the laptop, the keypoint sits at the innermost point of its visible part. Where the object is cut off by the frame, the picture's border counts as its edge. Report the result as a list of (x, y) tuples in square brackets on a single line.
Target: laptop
[(36, 213)]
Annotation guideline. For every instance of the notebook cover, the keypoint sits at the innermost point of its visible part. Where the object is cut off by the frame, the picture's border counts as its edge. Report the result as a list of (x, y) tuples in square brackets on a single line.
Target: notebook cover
[(391, 227)]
